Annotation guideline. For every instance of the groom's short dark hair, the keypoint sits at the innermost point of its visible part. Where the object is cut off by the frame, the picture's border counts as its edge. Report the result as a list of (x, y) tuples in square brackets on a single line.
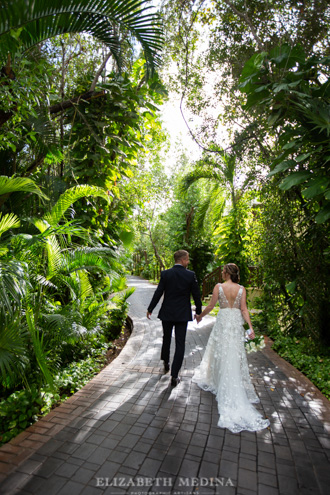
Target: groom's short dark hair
[(178, 255)]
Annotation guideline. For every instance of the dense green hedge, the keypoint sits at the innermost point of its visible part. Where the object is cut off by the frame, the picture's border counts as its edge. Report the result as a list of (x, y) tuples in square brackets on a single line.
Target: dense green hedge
[(23, 408), (312, 361), (310, 357)]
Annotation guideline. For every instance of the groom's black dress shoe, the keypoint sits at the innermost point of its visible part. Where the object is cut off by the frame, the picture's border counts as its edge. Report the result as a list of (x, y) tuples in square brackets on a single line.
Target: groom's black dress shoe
[(166, 367), (175, 381)]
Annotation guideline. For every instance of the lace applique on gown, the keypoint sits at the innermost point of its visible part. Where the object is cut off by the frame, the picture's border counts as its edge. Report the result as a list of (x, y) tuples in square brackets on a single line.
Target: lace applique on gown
[(224, 370)]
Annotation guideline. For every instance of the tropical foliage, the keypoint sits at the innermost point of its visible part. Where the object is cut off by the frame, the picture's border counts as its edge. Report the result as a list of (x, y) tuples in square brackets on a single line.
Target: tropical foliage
[(78, 118)]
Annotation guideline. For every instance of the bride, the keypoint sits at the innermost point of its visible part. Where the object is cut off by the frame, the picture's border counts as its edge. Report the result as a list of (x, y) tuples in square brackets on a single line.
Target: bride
[(224, 369)]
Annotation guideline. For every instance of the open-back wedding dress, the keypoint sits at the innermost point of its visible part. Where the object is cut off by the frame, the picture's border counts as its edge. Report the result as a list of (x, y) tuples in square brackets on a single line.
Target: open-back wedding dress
[(224, 370)]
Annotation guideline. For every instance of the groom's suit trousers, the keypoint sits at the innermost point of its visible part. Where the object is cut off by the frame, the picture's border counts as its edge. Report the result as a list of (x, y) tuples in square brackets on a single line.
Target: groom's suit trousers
[(180, 329)]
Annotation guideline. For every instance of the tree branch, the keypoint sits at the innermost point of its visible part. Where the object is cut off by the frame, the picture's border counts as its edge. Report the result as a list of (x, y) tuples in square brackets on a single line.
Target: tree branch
[(64, 105), (99, 72), (247, 19)]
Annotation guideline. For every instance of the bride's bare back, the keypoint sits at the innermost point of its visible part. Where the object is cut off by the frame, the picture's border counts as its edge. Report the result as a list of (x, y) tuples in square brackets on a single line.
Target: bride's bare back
[(230, 291)]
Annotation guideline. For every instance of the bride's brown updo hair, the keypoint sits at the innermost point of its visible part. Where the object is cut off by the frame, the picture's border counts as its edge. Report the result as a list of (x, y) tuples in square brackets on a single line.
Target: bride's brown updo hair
[(233, 272)]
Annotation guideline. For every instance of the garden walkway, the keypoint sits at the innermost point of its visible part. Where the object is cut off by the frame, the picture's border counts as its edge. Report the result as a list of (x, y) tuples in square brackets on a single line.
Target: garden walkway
[(128, 427)]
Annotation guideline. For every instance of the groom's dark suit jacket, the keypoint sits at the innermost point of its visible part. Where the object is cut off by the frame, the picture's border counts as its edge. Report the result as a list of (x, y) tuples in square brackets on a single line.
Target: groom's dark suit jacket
[(176, 284)]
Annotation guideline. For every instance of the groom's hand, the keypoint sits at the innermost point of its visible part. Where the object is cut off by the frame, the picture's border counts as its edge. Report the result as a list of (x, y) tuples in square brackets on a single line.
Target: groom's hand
[(148, 315), (198, 318)]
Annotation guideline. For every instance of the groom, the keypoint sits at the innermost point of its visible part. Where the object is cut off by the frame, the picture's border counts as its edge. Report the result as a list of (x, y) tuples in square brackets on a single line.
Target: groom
[(177, 284)]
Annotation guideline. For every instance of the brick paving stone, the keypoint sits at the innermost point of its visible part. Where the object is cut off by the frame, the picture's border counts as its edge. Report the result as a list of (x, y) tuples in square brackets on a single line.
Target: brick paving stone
[(198, 439), (98, 456), (244, 491), (142, 447), (91, 466), (247, 464), (211, 455), (117, 456), (267, 479), (189, 468), (83, 475), (171, 465), (72, 488), (288, 485), (249, 446), (29, 466), (266, 490), (157, 453), (89, 490), (49, 467), (177, 451), (266, 459), (247, 479), (262, 469), (14, 481), (306, 477), (282, 452), (84, 451), (149, 467), (208, 469), (195, 450), (134, 460), (67, 470), (228, 469)]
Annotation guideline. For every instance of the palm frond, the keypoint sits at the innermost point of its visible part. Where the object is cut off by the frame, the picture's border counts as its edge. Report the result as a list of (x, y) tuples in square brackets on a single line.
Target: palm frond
[(52, 247), (197, 174), (12, 348), (94, 310), (45, 282), (25, 23), (14, 283), (63, 326), (84, 260), (15, 184), (69, 197), (86, 289), (8, 221), (38, 347)]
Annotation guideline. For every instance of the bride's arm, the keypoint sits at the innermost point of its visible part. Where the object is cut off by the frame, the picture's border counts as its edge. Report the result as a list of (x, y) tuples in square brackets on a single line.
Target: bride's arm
[(245, 313), (210, 306)]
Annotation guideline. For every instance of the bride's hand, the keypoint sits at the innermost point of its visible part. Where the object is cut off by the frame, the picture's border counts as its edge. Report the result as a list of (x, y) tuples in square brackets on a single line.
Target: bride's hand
[(198, 318), (252, 334)]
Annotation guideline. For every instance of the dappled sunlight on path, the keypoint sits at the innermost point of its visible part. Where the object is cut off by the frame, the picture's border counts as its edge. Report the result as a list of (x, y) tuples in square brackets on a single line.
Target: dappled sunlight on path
[(128, 426)]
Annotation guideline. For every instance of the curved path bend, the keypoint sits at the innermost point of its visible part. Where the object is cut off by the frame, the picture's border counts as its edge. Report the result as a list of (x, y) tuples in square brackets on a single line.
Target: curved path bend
[(128, 431)]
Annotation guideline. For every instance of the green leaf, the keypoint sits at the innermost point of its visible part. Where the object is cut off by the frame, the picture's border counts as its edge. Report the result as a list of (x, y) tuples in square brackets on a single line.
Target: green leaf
[(291, 287), (315, 187), (126, 236), (280, 87), (294, 179), (274, 116), (323, 215), (280, 167), (291, 144), (301, 158), (255, 98)]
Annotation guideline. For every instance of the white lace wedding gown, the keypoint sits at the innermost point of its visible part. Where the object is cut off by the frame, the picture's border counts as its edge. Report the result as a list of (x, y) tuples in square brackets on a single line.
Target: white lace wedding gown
[(224, 370)]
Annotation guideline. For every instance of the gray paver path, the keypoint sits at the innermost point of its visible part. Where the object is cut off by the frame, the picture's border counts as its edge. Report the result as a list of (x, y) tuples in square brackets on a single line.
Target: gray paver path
[(128, 431)]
